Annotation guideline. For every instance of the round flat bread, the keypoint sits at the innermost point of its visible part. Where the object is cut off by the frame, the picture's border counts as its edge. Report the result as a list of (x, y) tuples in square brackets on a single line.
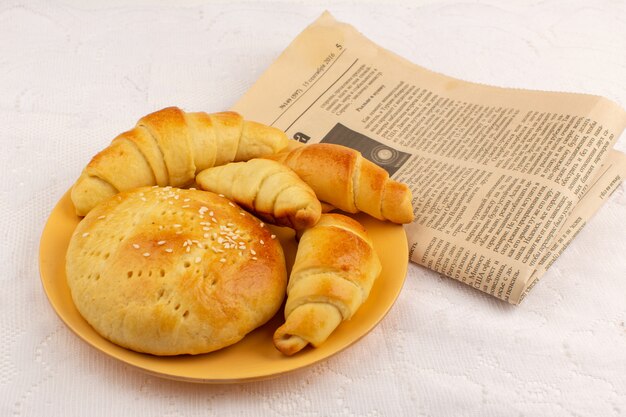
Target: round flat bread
[(170, 271)]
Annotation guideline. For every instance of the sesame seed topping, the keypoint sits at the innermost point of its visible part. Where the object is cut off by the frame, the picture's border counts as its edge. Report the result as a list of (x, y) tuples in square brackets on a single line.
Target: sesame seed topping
[(230, 203), (155, 186), (136, 246), (170, 202), (176, 225), (143, 199), (206, 228), (146, 254), (223, 260), (262, 243), (213, 219), (188, 249), (160, 227), (206, 235), (180, 232), (254, 258), (161, 242), (185, 206), (198, 259), (211, 213), (85, 234), (169, 250), (273, 236), (262, 224), (252, 251), (168, 188), (186, 200), (221, 195), (192, 188), (242, 213), (101, 217)]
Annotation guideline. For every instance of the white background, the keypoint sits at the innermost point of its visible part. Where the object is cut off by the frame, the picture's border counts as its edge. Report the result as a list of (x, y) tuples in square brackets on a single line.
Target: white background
[(73, 75)]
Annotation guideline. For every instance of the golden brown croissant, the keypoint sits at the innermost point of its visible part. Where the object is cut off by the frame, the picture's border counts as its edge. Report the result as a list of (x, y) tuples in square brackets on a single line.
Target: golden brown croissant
[(169, 147), (333, 273), (267, 188), (341, 177)]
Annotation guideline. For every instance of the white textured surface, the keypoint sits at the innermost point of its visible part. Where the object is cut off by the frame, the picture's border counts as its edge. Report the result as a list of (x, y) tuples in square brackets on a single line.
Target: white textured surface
[(73, 75)]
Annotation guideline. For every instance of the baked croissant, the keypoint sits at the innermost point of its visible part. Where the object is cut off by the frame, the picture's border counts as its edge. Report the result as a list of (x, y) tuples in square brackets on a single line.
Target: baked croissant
[(267, 188), (332, 275), (341, 177), (169, 147)]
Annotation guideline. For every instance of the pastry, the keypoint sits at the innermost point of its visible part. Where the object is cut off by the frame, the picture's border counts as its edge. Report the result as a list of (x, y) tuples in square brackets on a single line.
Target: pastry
[(333, 273), (341, 177), (168, 271), (269, 189), (169, 147)]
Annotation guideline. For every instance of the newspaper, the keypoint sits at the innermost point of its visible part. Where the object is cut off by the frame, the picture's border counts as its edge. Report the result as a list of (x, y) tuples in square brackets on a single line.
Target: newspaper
[(502, 179)]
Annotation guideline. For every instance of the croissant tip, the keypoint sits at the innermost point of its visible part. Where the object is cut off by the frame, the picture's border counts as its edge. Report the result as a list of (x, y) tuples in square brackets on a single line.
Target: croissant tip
[(288, 344)]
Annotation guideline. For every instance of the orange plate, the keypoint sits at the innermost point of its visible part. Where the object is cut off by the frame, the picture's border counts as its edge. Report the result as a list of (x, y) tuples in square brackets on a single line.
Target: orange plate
[(252, 358)]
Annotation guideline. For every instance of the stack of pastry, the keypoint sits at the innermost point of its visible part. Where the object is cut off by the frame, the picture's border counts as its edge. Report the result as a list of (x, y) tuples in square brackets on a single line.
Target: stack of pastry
[(166, 271)]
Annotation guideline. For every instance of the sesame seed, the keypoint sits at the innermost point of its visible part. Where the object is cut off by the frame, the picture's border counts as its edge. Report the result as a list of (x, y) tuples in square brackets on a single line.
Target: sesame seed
[(231, 204), (155, 186), (160, 227), (192, 188), (186, 200), (143, 199), (206, 228), (273, 236), (220, 240), (252, 251), (185, 243), (262, 224), (161, 242), (168, 187), (136, 246), (198, 259), (206, 235), (170, 202), (85, 234), (146, 254), (242, 213), (176, 225), (213, 219), (180, 232), (221, 195), (254, 258), (262, 243), (185, 206), (223, 260), (188, 249), (101, 217), (211, 213), (169, 250)]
